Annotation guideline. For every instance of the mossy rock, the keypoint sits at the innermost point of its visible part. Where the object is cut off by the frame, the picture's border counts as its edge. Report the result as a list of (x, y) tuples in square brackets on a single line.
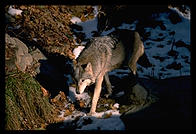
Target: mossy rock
[(25, 106)]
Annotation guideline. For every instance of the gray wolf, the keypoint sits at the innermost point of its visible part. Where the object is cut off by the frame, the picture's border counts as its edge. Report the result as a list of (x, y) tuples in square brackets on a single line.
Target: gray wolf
[(103, 54)]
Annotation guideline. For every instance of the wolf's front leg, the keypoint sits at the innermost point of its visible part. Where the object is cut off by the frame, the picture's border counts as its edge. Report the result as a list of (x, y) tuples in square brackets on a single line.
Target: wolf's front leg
[(96, 95), (108, 84)]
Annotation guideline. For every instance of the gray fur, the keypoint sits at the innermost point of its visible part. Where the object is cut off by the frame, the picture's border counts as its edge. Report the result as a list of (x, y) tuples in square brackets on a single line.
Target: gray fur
[(104, 54)]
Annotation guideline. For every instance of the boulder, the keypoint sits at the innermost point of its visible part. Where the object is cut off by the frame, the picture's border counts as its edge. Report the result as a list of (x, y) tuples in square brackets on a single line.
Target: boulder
[(138, 95), (171, 111), (23, 58)]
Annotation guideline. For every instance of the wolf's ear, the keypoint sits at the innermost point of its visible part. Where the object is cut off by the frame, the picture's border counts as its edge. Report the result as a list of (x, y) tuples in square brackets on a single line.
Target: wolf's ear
[(88, 67)]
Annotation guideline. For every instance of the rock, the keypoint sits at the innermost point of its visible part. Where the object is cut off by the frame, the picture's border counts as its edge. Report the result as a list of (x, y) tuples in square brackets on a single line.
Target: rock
[(155, 117), (138, 95), (38, 55), (23, 61), (173, 109), (23, 58)]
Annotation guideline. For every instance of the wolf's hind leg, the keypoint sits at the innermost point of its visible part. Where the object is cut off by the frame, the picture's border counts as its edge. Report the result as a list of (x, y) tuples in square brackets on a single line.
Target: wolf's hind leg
[(138, 51), (108, 85)]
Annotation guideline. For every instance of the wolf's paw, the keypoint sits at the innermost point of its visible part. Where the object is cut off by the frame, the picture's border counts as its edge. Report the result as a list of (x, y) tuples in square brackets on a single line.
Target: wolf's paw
[(91, 113)]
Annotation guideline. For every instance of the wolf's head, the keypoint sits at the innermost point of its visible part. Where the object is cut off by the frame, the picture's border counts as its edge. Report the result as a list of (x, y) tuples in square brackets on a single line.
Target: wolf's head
[(84, 76)]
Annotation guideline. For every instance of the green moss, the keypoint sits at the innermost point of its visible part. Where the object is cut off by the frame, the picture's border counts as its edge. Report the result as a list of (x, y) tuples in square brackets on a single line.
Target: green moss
[(25, 108)]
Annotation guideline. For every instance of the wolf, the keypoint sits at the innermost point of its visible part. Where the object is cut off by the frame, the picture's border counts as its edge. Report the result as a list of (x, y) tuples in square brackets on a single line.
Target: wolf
[(103, 54)]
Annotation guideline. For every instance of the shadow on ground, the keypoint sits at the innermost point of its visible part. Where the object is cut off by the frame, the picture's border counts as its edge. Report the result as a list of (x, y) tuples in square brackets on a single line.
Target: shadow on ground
[(173, 110), (52, 74)]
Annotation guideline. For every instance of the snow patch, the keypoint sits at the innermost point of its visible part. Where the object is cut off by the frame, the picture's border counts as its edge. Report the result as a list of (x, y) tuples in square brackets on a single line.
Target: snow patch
[(77, 51), (186, 14), (75, 20), (35, 39), (99, 121), (182, 29), (74, 96), (164, 39), (12, 11), (116, 105), (88, 27), (95, 11)]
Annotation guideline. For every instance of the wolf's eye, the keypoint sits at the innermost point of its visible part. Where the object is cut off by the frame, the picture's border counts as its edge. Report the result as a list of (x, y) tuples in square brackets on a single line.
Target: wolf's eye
[(82, 80), (84, 66)]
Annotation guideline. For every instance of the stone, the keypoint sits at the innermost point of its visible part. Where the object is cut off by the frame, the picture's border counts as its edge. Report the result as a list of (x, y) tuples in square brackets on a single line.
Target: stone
[(138, 95), (23, 61), (172, 109), (23, 58), (38, 55)]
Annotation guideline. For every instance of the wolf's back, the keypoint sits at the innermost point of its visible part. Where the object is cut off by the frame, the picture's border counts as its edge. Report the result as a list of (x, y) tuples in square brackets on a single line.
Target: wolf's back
[(96, 48)]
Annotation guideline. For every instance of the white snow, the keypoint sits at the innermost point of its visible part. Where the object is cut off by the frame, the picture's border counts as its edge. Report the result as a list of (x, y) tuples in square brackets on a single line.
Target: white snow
[(182, 29), (88, 27), (116, 105), (182, 33), (98, 120), (75, 20), (12, 11), (35, 39), (95, 11), (77, 51), (187, 13), (74, 96)]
